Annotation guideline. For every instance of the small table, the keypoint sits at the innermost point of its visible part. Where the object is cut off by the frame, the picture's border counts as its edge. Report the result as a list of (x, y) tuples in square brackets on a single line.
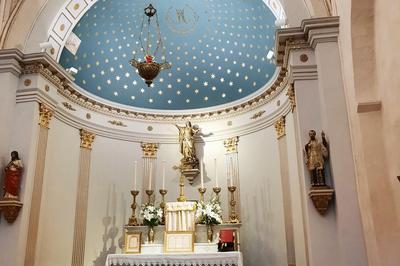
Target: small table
[(186, 259)]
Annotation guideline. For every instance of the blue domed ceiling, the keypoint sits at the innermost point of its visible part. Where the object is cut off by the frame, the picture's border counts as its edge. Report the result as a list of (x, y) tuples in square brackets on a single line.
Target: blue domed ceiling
[(217, 49)]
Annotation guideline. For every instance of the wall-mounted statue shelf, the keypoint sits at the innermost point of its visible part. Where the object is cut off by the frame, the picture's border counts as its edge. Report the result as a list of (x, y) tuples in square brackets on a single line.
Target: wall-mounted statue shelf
[(321, 197), (10, 209)]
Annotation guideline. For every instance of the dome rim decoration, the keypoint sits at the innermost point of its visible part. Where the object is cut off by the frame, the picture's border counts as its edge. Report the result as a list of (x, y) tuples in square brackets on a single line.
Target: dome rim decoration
[(85, 98)]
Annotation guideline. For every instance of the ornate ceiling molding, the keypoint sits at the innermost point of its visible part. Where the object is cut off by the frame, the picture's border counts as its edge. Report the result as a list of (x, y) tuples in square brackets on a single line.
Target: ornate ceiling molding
[(310, 32), (43, 64)]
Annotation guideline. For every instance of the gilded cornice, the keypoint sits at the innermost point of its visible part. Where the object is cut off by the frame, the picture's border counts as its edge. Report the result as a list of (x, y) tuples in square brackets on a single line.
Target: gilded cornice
[(310, 32), (149, 149), (87, 139), (45, 115), (231, 144), (44, 65), (38, 68), (280, 127)]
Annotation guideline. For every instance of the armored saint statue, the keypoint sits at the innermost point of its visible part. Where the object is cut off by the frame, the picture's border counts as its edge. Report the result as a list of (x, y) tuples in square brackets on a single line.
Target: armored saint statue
[(316, 153), (186, 145), (13, 172)]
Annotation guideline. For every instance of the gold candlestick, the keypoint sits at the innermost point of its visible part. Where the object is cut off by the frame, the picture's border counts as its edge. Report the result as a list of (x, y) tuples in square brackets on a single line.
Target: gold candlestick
[(233, 218), (163, 192), (202, 190), (217, 190), (149, 192), (181, 197), (133, 220)]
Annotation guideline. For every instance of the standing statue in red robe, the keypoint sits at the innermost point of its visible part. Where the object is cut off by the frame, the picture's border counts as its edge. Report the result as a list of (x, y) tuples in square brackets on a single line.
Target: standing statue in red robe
[(12, 180)]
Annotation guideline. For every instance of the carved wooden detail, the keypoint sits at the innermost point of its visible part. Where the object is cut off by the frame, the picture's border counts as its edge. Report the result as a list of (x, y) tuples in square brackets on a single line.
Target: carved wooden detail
[(10, 209), (321, 197)]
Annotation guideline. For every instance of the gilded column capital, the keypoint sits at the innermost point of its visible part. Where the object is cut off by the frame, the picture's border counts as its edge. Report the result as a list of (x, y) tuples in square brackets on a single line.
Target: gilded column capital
[(45, 115), (87, 139), (280, 127), (149, 149), (231, 144), (292, 96)]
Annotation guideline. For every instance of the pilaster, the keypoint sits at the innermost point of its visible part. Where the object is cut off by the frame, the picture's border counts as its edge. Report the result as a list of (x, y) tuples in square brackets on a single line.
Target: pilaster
[(232, 164), (310, 52), (78, 249), (280, 126), (149, 155), (45, 115)]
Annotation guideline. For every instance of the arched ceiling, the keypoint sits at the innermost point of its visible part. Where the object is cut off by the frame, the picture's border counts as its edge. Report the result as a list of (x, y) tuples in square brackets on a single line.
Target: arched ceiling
[(217, 49)]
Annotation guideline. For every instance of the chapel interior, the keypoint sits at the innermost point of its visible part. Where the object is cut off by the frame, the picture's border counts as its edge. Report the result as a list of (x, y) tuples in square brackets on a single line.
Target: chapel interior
[(199, 132)]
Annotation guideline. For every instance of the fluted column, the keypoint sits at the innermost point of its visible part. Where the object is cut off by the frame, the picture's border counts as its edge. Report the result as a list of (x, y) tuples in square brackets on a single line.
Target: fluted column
[(45, 115), (78, 250), (149, 166), (280, 126), (232, 169)]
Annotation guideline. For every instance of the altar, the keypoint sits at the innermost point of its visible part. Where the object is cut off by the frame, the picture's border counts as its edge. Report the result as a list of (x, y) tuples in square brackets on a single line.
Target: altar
[(182, 232), (185, 259)]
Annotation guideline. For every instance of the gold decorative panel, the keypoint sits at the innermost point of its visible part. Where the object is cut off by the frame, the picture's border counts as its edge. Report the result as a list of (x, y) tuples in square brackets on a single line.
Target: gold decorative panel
[(87, 139), (280, 127), (45, 115), (149, 149), (231, 144), (292, 96)]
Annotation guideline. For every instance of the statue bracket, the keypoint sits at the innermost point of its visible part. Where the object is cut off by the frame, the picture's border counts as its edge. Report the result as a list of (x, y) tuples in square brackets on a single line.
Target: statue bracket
[(321, 197), (10, 209), (190, 174)]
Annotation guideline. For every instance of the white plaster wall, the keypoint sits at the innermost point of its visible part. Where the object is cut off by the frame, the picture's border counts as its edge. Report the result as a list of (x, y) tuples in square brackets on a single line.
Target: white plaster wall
[(262, 234), (24, 130), (57, 213), (111, 179), (7, 109)]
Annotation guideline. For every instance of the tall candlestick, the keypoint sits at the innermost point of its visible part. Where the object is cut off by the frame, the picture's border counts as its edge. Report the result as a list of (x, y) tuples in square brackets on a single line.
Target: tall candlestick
[(163, 174), (201, 174), (134, 176), (150, 174), (215, 172)]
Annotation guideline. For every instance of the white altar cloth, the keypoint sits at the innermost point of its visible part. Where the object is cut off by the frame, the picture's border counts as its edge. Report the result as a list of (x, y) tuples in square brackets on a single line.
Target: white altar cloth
[(187, 259)]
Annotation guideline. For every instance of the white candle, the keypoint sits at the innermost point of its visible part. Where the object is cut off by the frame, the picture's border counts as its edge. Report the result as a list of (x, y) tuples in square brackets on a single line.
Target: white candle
[(215, 172), (201, 174), (232, 171), (163, 174), (134, 176), (150, 175)]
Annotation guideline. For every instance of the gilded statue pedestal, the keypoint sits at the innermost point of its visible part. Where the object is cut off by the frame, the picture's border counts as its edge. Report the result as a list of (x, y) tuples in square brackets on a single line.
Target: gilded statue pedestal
[(190, 174), (10, 209), (321, 197)]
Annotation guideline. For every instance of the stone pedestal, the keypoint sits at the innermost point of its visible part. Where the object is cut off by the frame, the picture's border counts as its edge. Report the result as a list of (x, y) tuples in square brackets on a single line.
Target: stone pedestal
[(190, 174)]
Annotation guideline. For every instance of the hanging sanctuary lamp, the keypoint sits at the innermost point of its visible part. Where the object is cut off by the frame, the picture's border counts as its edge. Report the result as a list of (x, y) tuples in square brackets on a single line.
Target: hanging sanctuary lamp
[(149, 69)]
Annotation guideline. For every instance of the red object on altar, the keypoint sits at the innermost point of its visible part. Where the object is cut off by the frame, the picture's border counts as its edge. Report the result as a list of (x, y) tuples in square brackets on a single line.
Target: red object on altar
[(226, 236)]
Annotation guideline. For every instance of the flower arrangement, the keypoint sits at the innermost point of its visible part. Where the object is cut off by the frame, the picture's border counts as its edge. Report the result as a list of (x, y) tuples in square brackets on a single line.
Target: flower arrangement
[(151, 215), (209, 213)]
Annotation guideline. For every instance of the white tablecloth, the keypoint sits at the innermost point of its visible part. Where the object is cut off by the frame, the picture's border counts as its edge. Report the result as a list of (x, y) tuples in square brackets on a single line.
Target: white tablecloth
[(192, 259)]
